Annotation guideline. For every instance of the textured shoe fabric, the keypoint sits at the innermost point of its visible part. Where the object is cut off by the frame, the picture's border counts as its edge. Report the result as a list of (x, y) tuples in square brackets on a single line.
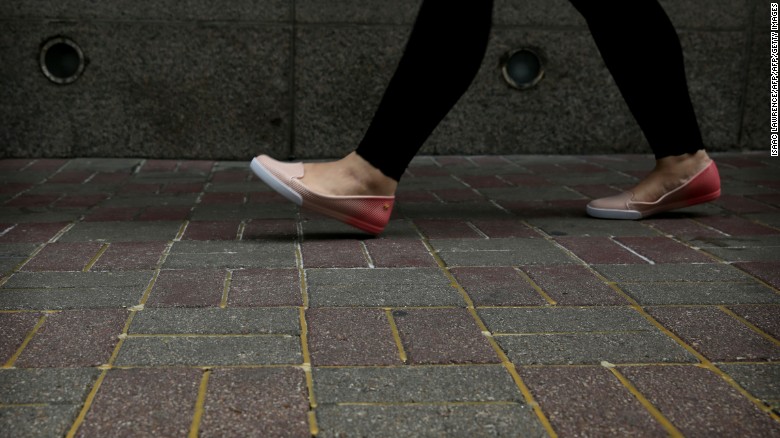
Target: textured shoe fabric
[(368, 213), (702, 187)]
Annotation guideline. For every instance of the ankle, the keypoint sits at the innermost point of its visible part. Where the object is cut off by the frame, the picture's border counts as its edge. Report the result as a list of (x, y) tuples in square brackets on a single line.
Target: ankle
[(368, 176), (683, 163)]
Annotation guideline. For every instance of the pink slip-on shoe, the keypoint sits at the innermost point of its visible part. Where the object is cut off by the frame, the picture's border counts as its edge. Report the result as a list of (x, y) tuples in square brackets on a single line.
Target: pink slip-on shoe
[(368, 213), (702, 187)]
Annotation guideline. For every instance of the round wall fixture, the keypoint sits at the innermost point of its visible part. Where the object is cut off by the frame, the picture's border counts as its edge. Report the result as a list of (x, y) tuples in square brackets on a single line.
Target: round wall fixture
[(522, 68), (62, 60)]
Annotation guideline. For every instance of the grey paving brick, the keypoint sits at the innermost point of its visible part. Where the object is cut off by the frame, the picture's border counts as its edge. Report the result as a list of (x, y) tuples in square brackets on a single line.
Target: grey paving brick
[(216, 321), (667, 273), (381, 287), (121, 231), (146, 199), (234, 255), (460, 210), (763, 381), (103, 164), (700, 293), (428, 421), (11, 255), (27, 214), (581, 226), (626, 347), (73, 290), (217, 350), (58, 385), (763, 254), (531, 193), (499, 252), (415, 384), (563, 320), (36, 421)]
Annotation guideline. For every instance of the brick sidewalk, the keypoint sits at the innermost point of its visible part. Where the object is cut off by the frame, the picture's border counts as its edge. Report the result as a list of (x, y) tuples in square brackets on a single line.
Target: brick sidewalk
[(166, 298)]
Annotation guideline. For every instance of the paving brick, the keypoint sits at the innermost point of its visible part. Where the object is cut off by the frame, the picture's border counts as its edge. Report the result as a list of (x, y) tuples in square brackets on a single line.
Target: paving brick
[(500, 252), (216, 321), (399, 253), (599, 250), (143, 402), (15, 326), (165, 213), (737, 226), (211, 230), (761, 380), (595, 191), (564, 320), (715, 334), (502, 229), (32, 232), (245, 402), (27, 200), (446, 229), (265, 287), (14, 188), (588, 401), (111, 214), (225, 176), (158, 166), (699, 403), (663, 250), (741, 204), (221, 212), (457, 195), (138, 188), (73, 290), (79, 201), (56, 385), (659, 293), (63, 257), (75, 338), (484, 182), (231, 255), (586, 348), (584, 227), (682, 228), (766, 271), (460, 210), (21, 214), (427, 420), (222, 198), (439, 336), (402, 384), (37, 421), (199, 167), (182, 188), (272, 229), (13, 254), (210, 350), (767, 318), (188, 288), (350, 337), (411, 196), (381, 287), (121, 232), (531, 193), (333, 254), (14, 164), (573, 285), (497, 286), (104, 178), (130, 256), (672, 273)]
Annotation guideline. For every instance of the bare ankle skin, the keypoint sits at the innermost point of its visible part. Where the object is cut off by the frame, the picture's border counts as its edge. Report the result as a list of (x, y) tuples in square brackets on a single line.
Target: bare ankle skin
[(349, 176), (668, 174)]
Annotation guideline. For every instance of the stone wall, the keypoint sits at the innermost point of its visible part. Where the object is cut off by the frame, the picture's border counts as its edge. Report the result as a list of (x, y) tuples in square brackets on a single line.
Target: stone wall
[(230, 79)]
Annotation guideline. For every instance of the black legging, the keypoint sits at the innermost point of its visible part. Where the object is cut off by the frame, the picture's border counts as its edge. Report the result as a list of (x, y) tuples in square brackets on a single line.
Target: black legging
[(445, 50)]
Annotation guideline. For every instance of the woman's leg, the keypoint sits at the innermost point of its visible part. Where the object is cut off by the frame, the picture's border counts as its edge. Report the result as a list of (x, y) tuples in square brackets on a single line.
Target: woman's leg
[(441, 59), (642, 51)]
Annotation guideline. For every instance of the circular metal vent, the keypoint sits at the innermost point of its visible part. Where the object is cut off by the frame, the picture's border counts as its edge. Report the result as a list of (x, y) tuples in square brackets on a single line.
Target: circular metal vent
[(61, 60), (522, 68)]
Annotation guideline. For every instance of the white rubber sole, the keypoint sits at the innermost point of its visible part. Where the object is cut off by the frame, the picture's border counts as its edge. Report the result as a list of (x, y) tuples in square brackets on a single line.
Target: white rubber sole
[(605, 213), (275, 183)]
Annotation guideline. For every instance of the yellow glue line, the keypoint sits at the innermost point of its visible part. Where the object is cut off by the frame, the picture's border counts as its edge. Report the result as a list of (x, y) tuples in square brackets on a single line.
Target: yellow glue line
[(95, 258), (225, 289), (199, 403), (396, 335), (508, 365), (27, 339), (536, 287), (87, 404), (750, 325), (659, 417)]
